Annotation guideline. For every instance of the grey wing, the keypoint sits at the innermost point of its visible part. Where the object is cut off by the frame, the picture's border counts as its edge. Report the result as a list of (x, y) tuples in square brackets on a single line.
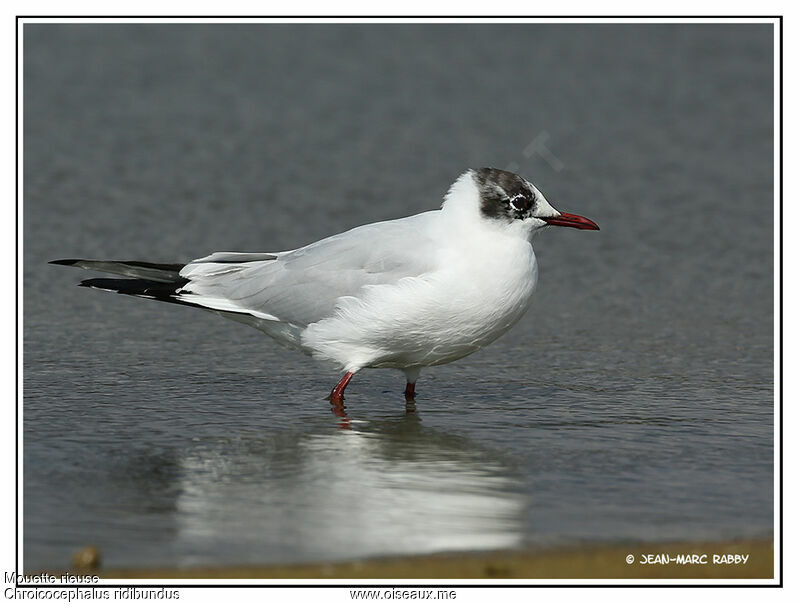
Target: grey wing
[(302, 286)]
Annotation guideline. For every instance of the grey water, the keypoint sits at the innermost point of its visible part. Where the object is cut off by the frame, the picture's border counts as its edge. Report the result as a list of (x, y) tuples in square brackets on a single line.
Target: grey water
[(634, 402)]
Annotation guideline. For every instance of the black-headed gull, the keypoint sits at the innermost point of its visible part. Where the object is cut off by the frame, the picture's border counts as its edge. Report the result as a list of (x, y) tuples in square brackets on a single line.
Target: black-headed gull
[(406, 293)]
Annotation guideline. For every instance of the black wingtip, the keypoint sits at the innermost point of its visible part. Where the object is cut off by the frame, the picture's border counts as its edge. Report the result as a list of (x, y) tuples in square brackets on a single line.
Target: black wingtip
[(112, 285), (123, 286), (64, 261)]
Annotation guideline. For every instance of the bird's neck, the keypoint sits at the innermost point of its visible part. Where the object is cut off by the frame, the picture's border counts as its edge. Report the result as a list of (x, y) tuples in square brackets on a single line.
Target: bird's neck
[(462, 200)]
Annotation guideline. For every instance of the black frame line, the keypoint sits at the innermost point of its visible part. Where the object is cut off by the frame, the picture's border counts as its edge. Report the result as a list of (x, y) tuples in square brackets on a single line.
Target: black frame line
[(455, 18)]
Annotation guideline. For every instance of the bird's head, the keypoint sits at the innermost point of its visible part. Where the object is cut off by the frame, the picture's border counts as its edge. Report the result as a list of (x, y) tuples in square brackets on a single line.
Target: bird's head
[(508, 200)]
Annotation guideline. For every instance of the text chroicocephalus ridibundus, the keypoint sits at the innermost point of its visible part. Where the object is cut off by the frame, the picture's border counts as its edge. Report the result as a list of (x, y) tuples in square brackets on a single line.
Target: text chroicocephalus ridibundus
[(406, 293)]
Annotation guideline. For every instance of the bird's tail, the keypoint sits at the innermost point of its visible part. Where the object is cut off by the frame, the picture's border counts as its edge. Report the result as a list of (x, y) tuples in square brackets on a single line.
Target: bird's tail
[(157, 281), (164, 282), (157, 272)]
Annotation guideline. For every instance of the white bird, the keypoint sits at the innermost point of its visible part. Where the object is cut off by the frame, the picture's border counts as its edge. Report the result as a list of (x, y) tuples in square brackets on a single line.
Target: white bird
[(407, 293)]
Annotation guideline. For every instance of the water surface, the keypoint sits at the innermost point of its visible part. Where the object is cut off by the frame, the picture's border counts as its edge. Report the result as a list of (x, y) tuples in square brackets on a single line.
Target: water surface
[(635, 402)]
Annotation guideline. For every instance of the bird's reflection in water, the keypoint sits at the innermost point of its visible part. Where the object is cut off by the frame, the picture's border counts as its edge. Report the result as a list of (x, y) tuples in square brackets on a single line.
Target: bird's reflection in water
[(340, 411), (387, 485)]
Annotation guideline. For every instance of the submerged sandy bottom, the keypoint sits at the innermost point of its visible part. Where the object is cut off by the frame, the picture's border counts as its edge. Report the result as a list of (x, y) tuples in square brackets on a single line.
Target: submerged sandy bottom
[(694, 560)]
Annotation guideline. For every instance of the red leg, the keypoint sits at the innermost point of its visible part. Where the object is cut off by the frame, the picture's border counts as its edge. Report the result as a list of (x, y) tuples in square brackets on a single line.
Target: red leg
[(337, 394), (410, 392)]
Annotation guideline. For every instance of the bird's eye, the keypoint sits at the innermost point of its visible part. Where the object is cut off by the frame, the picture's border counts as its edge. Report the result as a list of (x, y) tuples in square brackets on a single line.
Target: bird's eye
[(519, 202)]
